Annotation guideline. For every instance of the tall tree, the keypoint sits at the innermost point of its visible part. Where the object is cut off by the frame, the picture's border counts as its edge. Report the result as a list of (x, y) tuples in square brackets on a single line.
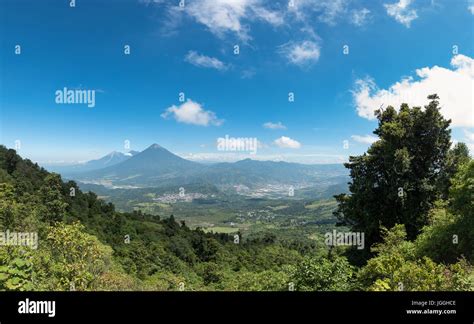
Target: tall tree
[(397, 180), (457, 157), (53, 198)]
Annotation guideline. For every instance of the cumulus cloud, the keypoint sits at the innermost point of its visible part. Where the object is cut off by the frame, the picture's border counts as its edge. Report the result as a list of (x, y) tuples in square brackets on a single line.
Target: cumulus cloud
[(301, 53), (455, 88), (223, 16), (205, 61), (402, 12), (471, 6), (270, 125), (366, 139), (286, 142), (191, 112)]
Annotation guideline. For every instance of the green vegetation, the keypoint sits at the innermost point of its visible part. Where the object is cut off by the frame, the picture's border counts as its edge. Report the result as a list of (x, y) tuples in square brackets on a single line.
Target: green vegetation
[(421, 239), (403, 174), (222, 229), (84, 244), (413, 197), (398, 266)]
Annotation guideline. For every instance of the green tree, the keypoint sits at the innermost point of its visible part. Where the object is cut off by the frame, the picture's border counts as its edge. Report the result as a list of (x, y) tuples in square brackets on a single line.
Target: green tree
[(323, 274), (267, 280), (457, 157), (462, 191), (7, 205), (397, 267), (53, 198), (396, 181), (450, 234), (77, 259), (16, 268)]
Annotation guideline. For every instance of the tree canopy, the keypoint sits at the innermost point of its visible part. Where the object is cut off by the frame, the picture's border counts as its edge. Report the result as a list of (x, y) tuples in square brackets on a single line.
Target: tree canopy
[(403, 173)]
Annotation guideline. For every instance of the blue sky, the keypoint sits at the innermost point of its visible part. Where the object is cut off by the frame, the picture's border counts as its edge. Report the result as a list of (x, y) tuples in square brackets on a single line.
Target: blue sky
[(398, 50)]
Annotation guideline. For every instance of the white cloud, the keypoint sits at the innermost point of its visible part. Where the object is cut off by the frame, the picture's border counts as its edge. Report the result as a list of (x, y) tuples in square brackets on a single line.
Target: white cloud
[(286, 142), (205, 61), (191, 112), (272, 17), (270, 125), (222, 16), (471, 6), (331, 10), (327, 11), (303, 53), (455, 87), (234, 17), (360, 17), (366, 139), (401, 12)]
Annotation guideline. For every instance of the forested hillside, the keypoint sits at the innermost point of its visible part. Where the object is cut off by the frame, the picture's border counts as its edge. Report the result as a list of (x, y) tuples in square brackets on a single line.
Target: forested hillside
[(84, 244)]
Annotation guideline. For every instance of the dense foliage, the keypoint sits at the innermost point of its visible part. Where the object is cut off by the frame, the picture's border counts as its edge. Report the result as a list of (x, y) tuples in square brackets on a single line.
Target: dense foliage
[(396, 180), (84, 244), (422, 239)]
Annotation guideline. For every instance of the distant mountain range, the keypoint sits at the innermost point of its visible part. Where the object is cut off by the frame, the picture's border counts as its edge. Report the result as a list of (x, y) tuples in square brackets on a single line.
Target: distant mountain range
[(110, 159), (157, 167)]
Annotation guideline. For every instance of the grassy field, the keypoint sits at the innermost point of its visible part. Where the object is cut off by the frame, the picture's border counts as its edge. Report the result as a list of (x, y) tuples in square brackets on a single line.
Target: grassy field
[(321, 203), (221, 229), (303, 218)]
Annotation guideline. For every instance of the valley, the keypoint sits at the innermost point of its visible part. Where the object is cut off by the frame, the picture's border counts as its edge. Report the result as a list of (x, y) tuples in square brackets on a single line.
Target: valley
[(249, 212), (247, 197)]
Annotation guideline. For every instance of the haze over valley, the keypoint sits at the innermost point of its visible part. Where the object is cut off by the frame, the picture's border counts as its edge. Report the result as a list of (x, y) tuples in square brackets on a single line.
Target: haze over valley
[(247, 195)]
